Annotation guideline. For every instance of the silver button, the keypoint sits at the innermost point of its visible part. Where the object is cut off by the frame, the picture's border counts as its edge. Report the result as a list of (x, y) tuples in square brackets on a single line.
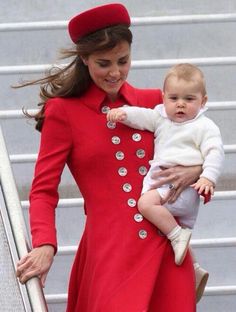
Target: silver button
[(105, 109), (120, 155), (127, 187), (136, 137), (115, 140), (142, 170), (111, 125), (142, 234), (131, 202), (122, 171), (140, 153), (138, 217)]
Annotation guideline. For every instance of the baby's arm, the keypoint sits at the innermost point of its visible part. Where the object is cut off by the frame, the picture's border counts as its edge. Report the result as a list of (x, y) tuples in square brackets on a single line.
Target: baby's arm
[(135, 117), (212, 150), (116, 114), (204, 186)]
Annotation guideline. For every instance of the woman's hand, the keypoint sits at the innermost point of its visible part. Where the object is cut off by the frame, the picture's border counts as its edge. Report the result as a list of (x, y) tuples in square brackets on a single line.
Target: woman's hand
[(36, 263), (179, 178)]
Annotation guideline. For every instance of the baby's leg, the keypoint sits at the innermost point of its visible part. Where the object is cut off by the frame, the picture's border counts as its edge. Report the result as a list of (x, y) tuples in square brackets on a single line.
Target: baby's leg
[(150, 207)]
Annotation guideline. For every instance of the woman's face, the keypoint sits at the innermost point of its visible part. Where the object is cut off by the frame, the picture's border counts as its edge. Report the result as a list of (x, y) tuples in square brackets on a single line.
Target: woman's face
[(109, 69)]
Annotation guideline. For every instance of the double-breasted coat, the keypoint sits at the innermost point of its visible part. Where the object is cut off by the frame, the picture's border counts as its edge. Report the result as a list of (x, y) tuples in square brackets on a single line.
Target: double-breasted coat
[(123, 264)]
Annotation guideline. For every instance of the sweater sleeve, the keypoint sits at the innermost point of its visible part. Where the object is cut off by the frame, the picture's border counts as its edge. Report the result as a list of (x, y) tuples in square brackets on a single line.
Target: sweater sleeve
[(141, 118), (213, 152), (55, 145)]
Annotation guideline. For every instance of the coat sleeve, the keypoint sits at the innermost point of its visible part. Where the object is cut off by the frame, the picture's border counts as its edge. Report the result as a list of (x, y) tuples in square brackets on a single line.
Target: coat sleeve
[(213, 152), (55, 145)]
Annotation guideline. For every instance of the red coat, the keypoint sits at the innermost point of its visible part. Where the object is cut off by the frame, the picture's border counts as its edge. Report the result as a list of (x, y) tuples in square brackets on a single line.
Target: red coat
[(122, 264)]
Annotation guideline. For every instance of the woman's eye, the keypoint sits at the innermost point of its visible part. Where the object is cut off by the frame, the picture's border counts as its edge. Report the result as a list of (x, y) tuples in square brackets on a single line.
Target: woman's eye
[(122, 62), (103, 64)]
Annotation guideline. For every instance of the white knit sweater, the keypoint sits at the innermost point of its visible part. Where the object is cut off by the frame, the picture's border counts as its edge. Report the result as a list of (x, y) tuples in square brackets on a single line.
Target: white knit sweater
[(194, 142)]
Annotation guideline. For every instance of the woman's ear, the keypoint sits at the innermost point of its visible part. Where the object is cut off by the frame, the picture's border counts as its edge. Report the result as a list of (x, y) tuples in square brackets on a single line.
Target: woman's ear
[(84, 60)]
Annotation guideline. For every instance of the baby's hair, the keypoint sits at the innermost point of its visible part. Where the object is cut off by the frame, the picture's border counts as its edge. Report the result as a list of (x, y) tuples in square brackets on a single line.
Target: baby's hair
[(187, 72)]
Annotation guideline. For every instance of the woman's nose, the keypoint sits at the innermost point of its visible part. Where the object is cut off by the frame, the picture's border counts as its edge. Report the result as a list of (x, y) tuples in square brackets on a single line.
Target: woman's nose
[(114, 71)]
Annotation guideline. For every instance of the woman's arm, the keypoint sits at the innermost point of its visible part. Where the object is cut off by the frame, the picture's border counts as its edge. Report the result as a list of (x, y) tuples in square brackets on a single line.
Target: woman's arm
[(179, 177), (55, 146)]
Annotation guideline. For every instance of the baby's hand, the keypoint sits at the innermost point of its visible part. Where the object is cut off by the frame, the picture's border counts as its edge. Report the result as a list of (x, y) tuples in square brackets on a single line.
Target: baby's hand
[(116, 114), (204, 185)]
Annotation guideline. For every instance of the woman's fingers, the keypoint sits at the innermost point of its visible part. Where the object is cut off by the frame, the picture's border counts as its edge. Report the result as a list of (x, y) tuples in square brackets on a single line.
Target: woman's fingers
[(178, 177), (35, 263), (43, 279), (175, 194), (28, 269), (162, 177), (22, 260), (168, 196), (22, 268), (26, 275)]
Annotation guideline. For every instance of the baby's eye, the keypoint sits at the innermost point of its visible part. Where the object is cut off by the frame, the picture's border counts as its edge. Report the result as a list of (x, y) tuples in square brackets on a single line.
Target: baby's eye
[(189, 99), (173, 98)]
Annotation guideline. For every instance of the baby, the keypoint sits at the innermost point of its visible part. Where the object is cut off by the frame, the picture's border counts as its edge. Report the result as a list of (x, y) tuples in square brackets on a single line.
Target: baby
[(183, 136)]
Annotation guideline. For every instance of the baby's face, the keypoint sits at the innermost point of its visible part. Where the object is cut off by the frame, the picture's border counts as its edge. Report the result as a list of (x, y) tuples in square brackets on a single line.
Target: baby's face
[(182, 99)]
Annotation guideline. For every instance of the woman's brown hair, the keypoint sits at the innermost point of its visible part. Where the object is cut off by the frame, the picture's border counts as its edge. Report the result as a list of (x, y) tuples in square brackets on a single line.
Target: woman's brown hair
[(74, 79)]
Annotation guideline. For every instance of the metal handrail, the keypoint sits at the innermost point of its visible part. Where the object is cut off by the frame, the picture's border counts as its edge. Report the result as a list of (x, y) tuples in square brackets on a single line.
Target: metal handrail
[(31, 158), (79, 201), (136, 64), (196, 243), (17, 223), (209, 291), (18, 113), (135, 21)]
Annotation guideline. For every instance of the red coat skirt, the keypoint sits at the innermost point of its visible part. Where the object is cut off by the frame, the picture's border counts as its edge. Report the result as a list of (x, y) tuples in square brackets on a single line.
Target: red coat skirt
[(123, 264)]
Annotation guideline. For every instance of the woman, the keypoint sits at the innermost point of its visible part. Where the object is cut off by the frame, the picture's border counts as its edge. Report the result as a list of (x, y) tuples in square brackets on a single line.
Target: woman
[(123, 264)]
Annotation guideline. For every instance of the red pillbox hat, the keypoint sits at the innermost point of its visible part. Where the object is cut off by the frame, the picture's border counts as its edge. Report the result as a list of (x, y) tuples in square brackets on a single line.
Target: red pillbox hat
[(97, 18)]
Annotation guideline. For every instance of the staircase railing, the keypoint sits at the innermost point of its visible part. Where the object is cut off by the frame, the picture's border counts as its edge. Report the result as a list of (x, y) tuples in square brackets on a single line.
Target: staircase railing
[(32, 294)]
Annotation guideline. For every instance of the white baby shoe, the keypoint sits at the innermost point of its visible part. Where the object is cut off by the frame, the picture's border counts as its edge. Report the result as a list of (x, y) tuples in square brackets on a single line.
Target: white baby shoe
[(201, 277), (180, 245)]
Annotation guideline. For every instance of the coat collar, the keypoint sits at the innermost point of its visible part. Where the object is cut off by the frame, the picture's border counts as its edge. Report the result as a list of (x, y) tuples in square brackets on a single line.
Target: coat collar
[(95, 97)]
